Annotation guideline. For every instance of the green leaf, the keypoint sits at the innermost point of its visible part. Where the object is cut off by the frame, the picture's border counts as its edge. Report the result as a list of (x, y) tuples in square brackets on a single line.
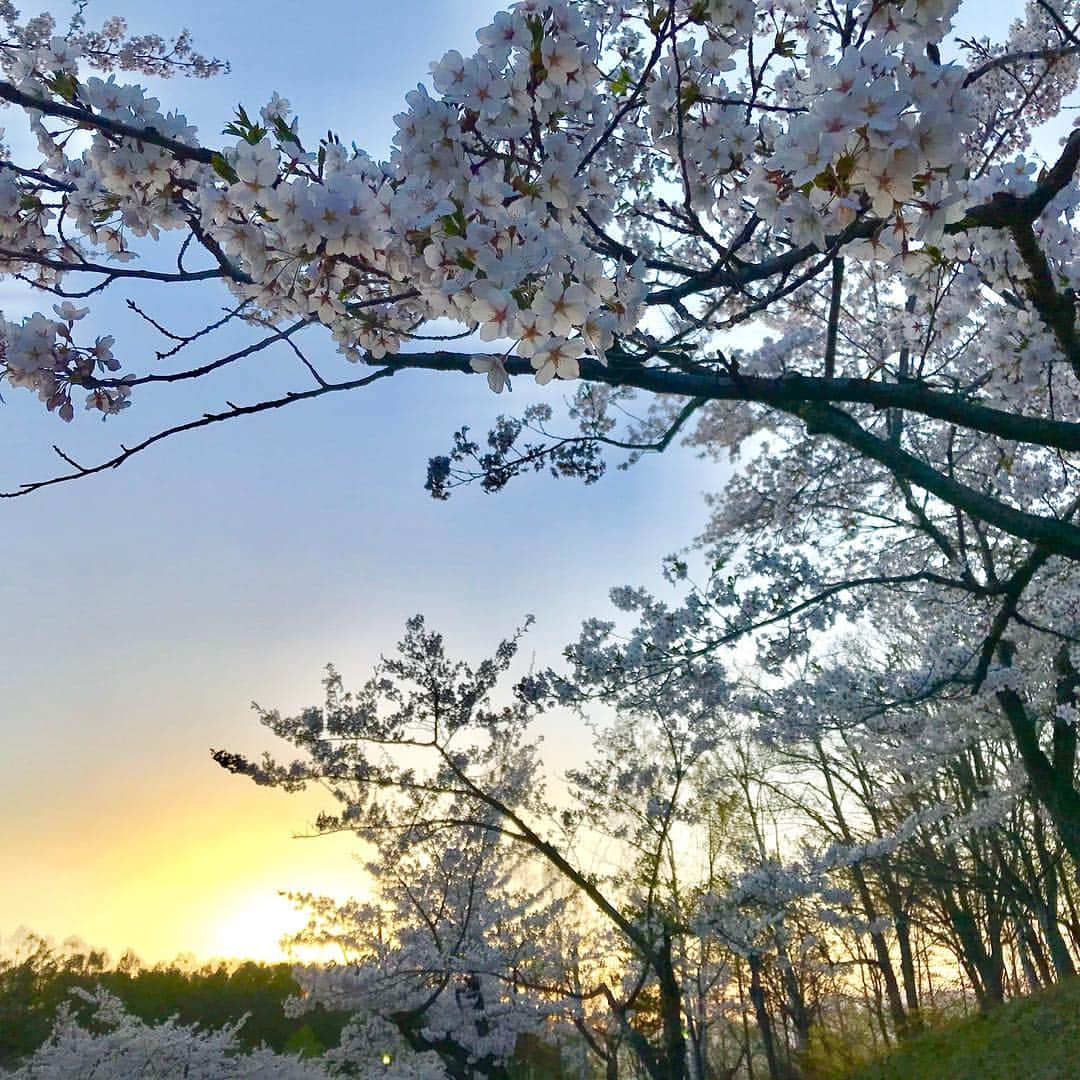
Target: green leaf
[(621, 83), (224, 169), (63, 84), (536, 30), (243, 127), (285, 133)]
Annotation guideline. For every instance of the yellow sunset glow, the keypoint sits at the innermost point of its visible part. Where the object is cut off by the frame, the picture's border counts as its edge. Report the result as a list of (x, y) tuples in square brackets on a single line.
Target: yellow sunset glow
[(196, 879), (253, 926)]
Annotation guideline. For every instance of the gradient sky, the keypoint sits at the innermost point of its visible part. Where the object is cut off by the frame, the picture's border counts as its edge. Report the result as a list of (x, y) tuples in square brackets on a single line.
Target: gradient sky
[(141, 612)]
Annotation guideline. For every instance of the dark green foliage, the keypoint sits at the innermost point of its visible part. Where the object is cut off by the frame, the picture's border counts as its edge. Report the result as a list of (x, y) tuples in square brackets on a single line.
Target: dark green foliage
[(32, 985), (535, 1059), (304, 1041), (36, 981)]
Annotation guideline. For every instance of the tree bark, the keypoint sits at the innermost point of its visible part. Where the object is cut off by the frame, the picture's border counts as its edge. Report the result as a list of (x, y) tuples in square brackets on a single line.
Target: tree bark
[(764, 1021), (1053, 788), (671, 1013)]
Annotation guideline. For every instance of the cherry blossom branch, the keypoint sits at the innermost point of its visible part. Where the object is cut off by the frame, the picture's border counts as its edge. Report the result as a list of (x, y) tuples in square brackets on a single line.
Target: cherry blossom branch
[(85, 116), (1014, 589), (632, 101), (1058, 309), (833, 326), (1053, 534), (798, 395), (202, 369), (1066, 32), (232, 413), (1004, 211), (789, 391), (109, 272), (1025, 56)]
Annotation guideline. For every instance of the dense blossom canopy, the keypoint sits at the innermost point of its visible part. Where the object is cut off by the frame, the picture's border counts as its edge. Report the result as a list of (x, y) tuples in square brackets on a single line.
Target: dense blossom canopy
[(602, 186)]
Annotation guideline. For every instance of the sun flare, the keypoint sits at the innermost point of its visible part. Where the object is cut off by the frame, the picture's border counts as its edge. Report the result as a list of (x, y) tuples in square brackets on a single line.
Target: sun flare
[(252, 926)]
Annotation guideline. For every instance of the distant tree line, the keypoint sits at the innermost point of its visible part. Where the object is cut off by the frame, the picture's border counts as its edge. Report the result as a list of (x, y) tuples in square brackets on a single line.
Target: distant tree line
[(36, 977)]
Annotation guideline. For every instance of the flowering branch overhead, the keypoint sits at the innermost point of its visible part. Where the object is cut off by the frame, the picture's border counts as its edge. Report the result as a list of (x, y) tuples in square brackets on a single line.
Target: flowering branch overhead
[(606, 190)]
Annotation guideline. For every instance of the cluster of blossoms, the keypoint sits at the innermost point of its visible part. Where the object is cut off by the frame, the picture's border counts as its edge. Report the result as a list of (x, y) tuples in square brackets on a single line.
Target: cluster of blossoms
[(41, 354), (117, 1046), (477, 217), (882, 128), (445, 969)]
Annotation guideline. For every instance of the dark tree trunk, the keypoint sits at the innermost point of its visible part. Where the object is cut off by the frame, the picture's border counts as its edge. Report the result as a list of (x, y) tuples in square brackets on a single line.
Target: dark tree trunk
[(674, 1049), (888, 976), (764, 1021), (1052, 780), (796, 1009), (1025, 940), (983, 963), (902, 922), (611, 1065), (1060, 956)]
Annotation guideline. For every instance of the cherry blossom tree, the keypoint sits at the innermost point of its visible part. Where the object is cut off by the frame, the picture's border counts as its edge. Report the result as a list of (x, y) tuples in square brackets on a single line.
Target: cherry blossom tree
[(489, 921), (923, 789), (446, 784), (117, 1045), (446, 956), (812, 239)]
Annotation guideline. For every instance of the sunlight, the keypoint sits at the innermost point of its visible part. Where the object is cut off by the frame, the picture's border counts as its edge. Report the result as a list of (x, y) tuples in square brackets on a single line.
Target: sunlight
[(252, 927)]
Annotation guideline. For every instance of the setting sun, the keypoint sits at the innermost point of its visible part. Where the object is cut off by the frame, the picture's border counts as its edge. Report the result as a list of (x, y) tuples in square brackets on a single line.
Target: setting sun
[(252, 927)]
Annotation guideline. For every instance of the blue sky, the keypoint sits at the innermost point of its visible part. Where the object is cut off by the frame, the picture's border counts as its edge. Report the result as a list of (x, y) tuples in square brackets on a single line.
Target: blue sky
[(143, 610)]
